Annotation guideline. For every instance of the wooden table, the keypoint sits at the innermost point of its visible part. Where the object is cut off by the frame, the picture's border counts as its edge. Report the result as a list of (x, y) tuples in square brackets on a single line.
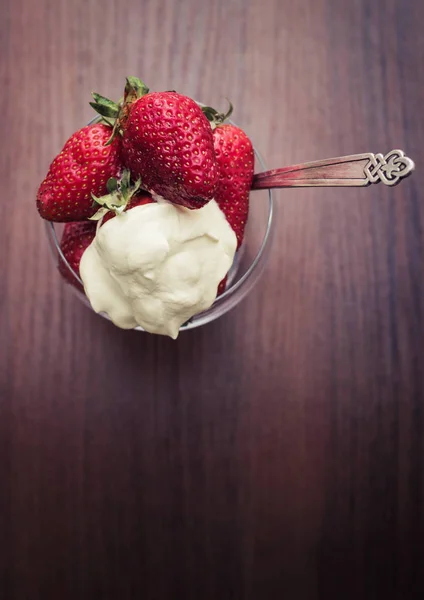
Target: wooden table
[(278, 452)]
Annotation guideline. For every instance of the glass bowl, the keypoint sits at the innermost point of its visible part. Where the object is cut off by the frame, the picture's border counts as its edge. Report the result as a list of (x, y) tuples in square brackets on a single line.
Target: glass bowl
[(248, 264)]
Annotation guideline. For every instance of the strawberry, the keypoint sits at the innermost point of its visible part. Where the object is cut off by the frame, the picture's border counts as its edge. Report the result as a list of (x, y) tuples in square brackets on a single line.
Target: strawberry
[(166, 141), (75, 240), (222, 285), (81, 169), (235, 157)]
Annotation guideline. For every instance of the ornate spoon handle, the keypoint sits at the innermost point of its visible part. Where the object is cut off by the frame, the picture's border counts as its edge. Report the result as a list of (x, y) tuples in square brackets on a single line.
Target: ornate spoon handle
[(343, 171)]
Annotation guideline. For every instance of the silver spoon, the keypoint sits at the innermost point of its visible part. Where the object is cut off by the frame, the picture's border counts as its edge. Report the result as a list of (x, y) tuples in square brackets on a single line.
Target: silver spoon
[(344, 171)]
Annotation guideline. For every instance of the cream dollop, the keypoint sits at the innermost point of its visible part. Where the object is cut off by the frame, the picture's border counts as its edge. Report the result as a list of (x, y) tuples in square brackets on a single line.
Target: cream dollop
[(158, 264)]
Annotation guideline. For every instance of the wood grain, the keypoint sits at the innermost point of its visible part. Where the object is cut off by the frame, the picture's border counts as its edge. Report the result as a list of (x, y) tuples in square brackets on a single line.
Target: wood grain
[(278, 452)]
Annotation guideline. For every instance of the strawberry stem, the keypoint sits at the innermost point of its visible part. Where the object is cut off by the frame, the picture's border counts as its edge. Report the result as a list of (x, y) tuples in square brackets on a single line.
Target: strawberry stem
[(120, 193), (113, 113), (134, 89), (216, 117)]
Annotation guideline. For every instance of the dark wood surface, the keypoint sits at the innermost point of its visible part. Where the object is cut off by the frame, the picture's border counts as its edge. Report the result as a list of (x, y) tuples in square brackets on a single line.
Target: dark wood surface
[(278, 452)]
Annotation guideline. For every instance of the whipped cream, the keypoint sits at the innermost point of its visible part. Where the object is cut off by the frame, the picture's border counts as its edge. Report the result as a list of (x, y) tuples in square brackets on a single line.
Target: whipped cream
[(158, 264)]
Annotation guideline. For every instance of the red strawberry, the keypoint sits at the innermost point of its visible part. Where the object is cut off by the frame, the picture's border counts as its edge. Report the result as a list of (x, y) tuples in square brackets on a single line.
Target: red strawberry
[(222, 285), (75, 240), (166, 141), (83, 167), (235, 157)]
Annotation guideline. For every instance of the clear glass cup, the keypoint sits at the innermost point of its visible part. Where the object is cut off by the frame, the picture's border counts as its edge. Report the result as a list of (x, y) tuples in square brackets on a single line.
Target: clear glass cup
[(245, 272)]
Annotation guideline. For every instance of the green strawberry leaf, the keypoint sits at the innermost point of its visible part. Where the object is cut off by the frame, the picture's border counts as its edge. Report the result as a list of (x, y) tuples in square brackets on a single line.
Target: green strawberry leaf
[(230, 109), (107, 121), (96, 201), (104, 101), (112, 112), (135, 87), (116, 129), (136, 186), (120, 194), (108, 109), (126, 178), (125, 184), (102, 200), (216, 117), (99, 214), (104, 110), (112, 184), (210, 113)]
